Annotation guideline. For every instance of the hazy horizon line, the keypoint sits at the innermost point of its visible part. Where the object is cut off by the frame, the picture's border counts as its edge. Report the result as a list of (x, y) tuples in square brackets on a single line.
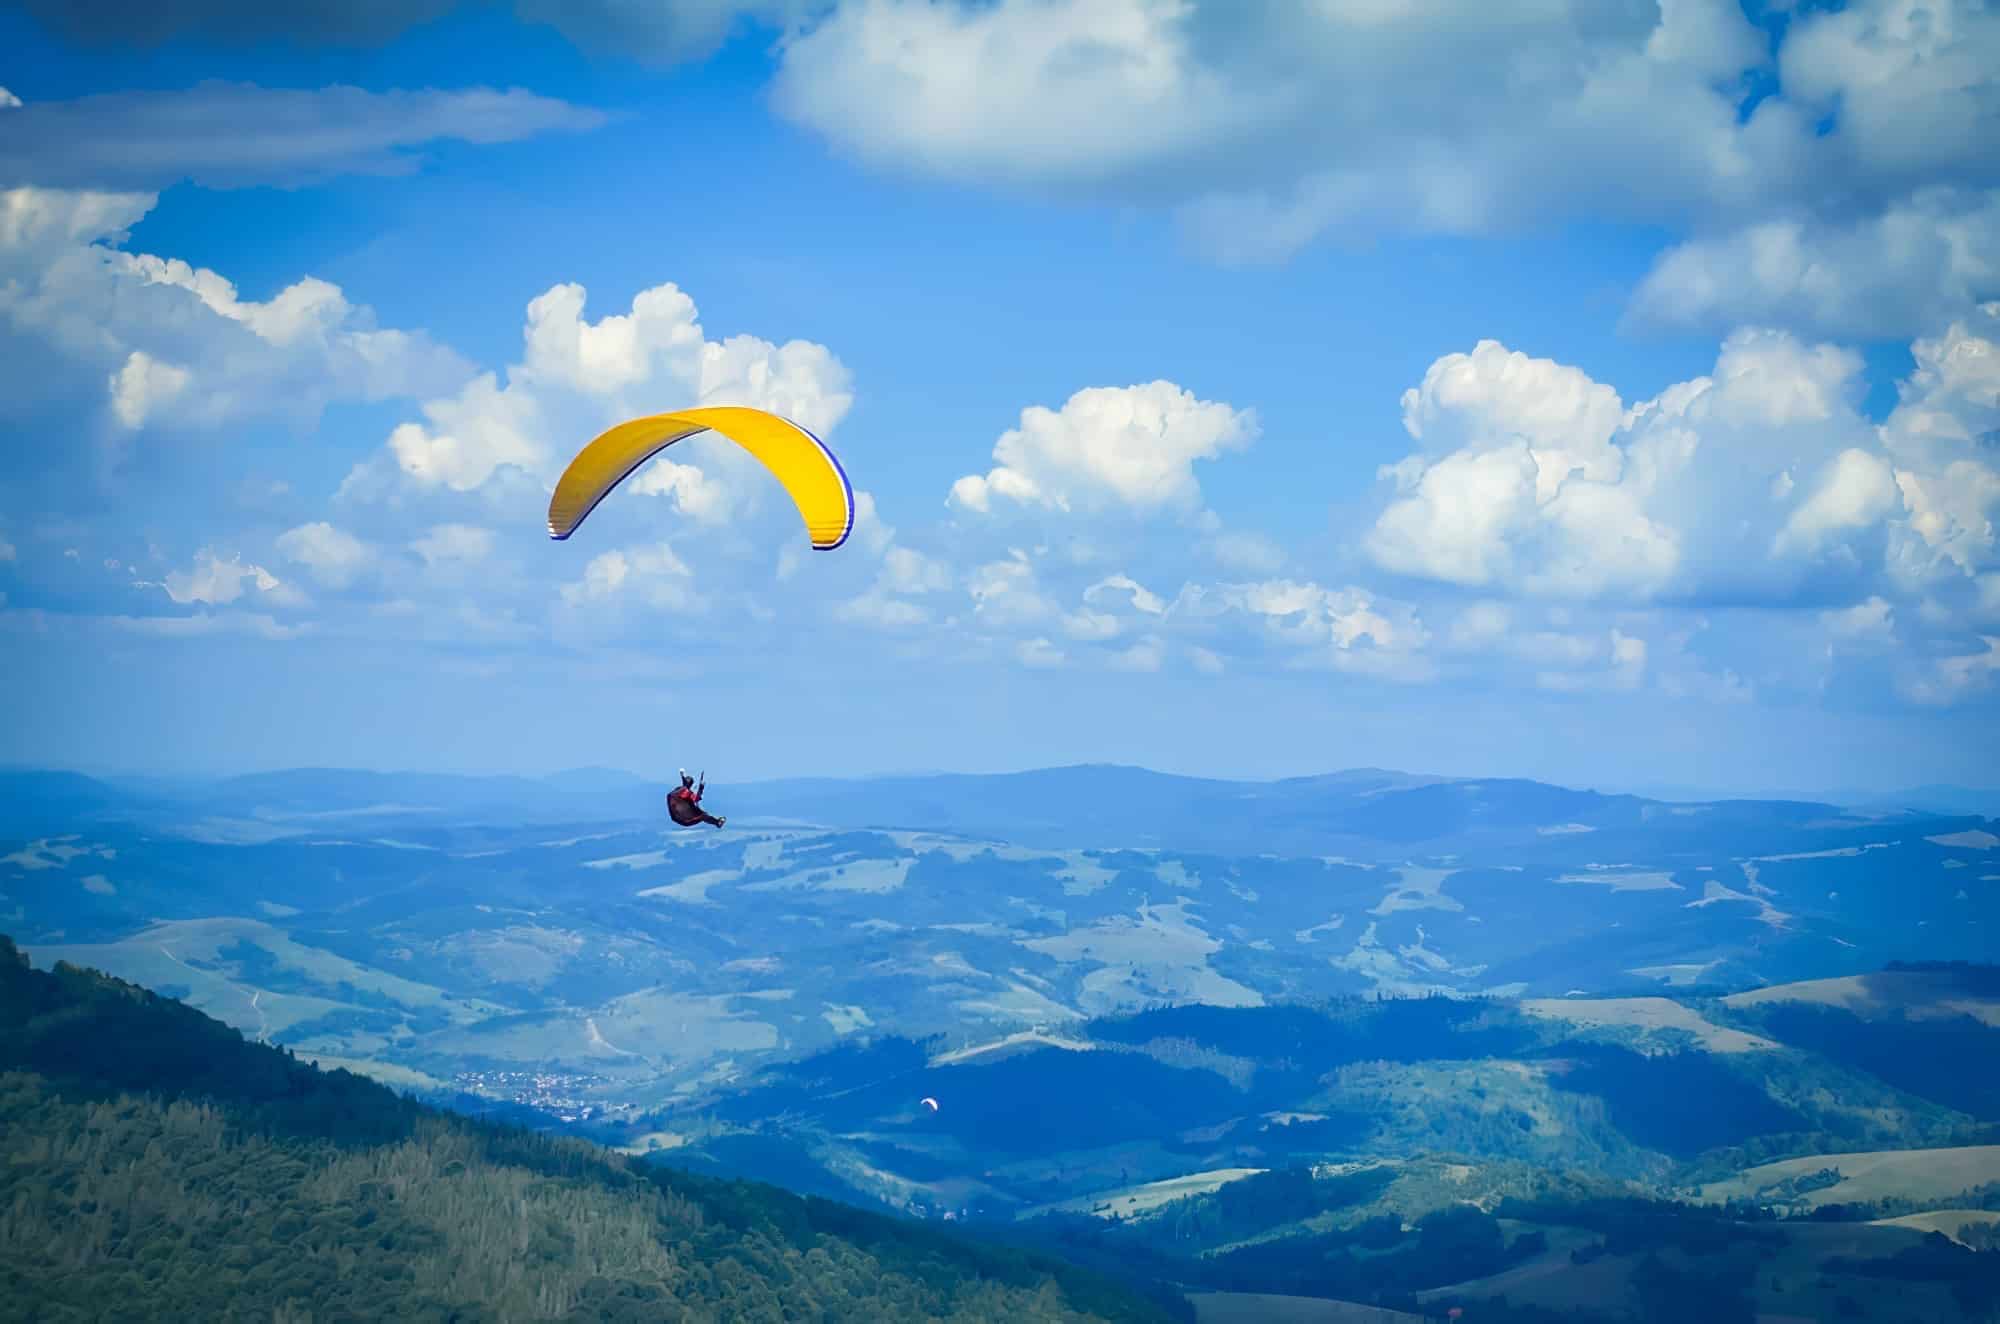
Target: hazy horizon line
[(1649, 790)]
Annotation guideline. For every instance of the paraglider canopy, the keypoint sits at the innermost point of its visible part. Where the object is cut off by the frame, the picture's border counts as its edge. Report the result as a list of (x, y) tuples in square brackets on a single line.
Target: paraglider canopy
[(799, 461), (931, 1103)]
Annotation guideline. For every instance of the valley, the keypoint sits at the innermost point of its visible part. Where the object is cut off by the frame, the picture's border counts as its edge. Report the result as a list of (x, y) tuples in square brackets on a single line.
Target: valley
[(1536, 1055)]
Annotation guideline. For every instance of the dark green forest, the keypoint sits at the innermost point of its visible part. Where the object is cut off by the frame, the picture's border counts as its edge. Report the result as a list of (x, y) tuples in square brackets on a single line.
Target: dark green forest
[(157, 1166)]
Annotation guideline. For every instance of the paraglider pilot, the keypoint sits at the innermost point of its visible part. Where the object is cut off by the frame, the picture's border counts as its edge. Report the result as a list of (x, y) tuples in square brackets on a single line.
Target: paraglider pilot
[(684, 803)]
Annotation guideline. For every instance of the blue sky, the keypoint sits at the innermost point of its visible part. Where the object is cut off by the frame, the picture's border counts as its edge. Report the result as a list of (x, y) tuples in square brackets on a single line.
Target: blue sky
[(1604, 394)]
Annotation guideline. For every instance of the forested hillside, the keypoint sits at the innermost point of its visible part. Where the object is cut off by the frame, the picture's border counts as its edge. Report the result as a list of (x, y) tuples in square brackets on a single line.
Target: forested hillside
[(155, 1165)]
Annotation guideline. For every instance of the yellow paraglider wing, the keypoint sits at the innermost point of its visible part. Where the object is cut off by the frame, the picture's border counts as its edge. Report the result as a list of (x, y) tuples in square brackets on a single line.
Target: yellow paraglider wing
[(799, 461)]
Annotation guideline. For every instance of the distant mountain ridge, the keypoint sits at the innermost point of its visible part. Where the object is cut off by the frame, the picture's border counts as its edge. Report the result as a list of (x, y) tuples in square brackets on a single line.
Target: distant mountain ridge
[(1094, 805)]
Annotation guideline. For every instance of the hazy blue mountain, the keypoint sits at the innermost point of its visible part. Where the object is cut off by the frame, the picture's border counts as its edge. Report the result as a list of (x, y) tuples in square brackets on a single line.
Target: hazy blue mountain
[(1819, 1149), (1117, 981), (1930, 799), (474, 934), (31, 801)]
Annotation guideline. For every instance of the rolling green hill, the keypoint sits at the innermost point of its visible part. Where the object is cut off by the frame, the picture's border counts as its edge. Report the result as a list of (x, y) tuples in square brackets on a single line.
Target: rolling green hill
[(155, 1165)]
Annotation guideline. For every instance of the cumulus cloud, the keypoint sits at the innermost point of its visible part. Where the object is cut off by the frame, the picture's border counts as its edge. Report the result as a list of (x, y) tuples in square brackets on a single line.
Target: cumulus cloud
[(161, 343), (1761, 481), (1517, 481), (1264, 127), (1950, 679), (1349, 629), (1006, 593), (1141, 598), (1874, 619), (1109, 607), (577, 377), (1145, 655), (215, 581), (1944, 439), (454, 545), (1624, 669), (143, 385), (465, 439), (1132, 446), (227, 135), (1039, 653), (1855, 491), (334, 557), (652, 576), (905, 574), (1480, 625), (882, 611), (1897, 272)]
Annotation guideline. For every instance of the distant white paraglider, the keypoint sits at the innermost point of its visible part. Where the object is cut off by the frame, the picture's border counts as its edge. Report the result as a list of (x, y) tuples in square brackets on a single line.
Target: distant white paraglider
[(931, 1104)]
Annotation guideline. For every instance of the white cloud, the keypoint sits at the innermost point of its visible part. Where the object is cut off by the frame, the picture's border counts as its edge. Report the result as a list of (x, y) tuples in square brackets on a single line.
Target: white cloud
[(1133, 446), (1855, 491), (8, 101), (1900, 271), (1953, 678), (1264, 127), (1531, 478), (1944, 438), (882, 611), (1497, 397), (1091, 626), (1480, 625), (1952, 511), (1206, 662), (1141, 598), (255, 624), (654, 576), (1040, 653), (904, 572), (226, 135), (1090, 88), (469, 437), (454, 545), (1145, 655), (1562, 659), (218, 582), (143, 383), (334, 557), (1348, 628), (577, 377), (1874, 619), (1006, 593), (168, 343), (1517, 480), (1625, 669), (1109, 606)]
